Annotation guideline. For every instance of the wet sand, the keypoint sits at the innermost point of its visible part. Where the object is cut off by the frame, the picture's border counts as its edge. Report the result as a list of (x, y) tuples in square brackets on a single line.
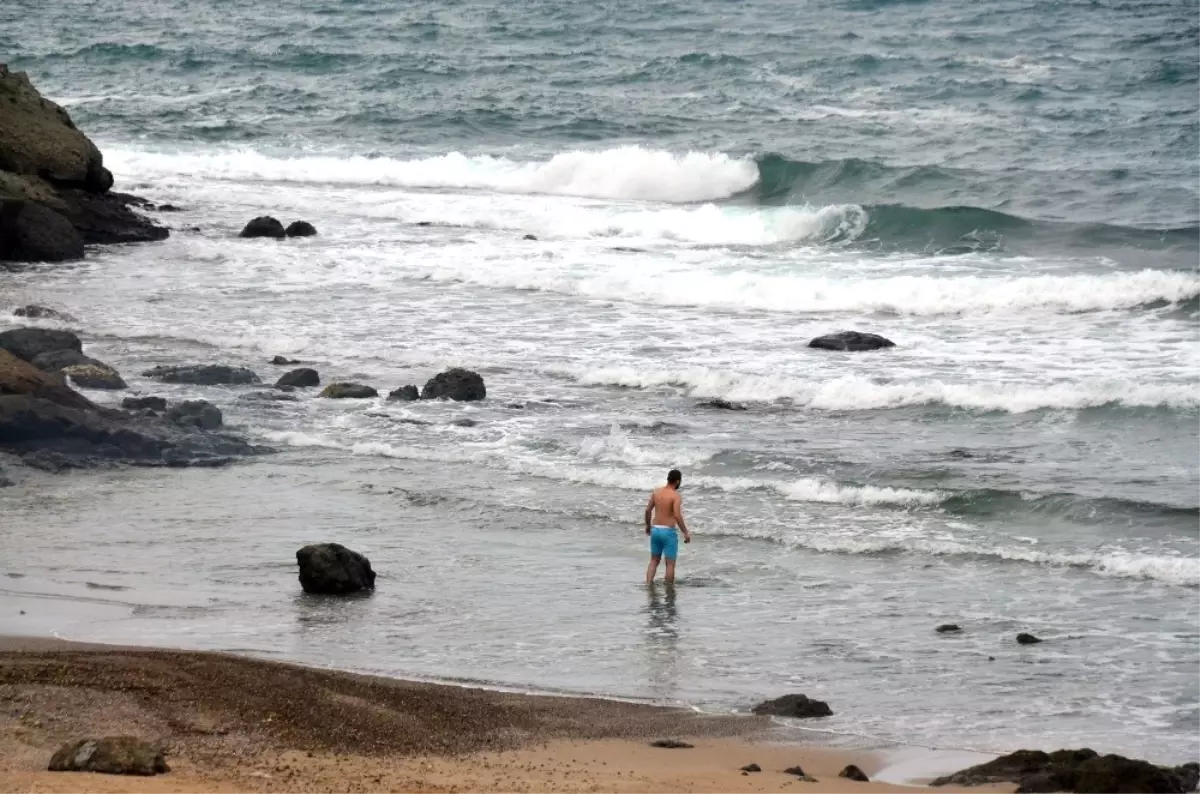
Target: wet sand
[(231, 723)]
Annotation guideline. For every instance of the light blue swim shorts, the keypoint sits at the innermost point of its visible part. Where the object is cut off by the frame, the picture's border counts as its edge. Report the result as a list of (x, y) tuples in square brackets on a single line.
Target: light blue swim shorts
[(664, 542)]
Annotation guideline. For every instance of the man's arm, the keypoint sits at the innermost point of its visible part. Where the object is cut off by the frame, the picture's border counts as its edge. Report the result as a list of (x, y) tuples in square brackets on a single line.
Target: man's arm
[(649, 512), (687, 536)]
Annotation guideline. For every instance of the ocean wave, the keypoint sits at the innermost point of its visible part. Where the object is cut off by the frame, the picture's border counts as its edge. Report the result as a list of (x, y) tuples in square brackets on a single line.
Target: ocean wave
[(854, 393), (627, 172)]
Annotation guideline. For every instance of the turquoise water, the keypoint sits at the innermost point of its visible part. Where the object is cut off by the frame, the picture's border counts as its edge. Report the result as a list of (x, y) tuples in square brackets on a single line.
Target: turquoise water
[(1006, 189)]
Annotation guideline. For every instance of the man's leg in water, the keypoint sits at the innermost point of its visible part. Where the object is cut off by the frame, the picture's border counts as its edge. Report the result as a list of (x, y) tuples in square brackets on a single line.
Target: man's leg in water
[(670, 571), (652, 569)]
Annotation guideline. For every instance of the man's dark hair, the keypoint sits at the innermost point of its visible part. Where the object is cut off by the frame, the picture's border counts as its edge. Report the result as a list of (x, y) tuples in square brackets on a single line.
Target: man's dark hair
[(674, 477)]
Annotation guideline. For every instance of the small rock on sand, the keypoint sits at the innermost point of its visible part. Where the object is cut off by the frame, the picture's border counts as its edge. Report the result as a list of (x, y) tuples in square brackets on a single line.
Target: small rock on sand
[(852, 772), (671, 744), (112, 755), (752, 768)]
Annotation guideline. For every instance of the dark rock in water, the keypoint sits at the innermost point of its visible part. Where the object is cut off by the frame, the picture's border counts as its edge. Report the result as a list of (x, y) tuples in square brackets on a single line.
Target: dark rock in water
[(800, 773), (455, 384), (464, 422), (949, 628), (959, 453), (333, 569), (48, 460), (196, 413), (143, 403), (529, 237), (39, 414), (264, 226), (281, 361), (404, 394), (796, 706), (671, 744), (94, 376), (56, 360), (112, 755), (1027, 639), (29, 343), (169, 208), (299, 378), (852, 772), (724, 405), (348, 391), (35, 312), (752, 768), (30, 232), (424, 223), (107, 219), (300, 229), (851, 341), (282, 396), (203, 374)]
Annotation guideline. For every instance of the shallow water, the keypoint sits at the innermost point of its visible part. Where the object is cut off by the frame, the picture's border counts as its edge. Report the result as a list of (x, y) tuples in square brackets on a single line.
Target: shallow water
[(1006, 191)]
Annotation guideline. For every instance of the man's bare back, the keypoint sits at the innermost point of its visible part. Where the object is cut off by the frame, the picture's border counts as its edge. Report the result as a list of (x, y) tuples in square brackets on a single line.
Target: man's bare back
[(666, 502), (664, 517)]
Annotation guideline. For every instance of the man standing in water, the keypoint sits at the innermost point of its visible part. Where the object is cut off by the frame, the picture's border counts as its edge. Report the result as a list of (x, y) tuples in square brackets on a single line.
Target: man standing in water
[(664, 512)]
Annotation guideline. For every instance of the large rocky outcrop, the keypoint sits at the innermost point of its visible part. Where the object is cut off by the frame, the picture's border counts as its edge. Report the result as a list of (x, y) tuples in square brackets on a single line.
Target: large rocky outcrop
[(455, 384), (55, 193), (1076, 770), (45, 422), (60, 353)]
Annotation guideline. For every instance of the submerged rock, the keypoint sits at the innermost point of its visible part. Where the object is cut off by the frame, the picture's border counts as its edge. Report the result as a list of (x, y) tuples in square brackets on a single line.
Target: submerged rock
[(264, 226), (404, 394), (455, 384), (112, 755), (196, 413), (299, 378), (949, 628), (723, 405), (203, 374), (1080, 770), (300, 229), (795, 706), (851, 341), (333, 569), (35, 312), (348, 391), (1027, 639), (283, 361), (94, 376), (144, 403)]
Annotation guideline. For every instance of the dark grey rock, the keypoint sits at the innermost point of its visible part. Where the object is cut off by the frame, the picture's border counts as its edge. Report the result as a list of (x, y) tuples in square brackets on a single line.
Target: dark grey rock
[(30, 232), (203, 374), (94, 376), (196, 413), (404, 394), (348, 391), (143, 403), (112, 755), (796, 706), (264, 226), (57, 360), (333, 569), (300, 229), (29, 343), (299, 378), (851, 341), (949, 628), (1027, 639), (455, 384), (724, 405), (35, 312), (48, 460), (752, 768), (1080, 770), (852, 772), (283, 361), (671, 744), (269, 397)]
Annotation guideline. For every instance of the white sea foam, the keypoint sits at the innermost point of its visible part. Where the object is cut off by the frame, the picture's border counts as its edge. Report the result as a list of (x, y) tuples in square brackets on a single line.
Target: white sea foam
[(850, 393), (626, 172)]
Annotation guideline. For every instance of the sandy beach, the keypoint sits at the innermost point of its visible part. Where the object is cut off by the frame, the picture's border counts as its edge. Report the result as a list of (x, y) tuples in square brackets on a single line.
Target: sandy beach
[(231, 723)]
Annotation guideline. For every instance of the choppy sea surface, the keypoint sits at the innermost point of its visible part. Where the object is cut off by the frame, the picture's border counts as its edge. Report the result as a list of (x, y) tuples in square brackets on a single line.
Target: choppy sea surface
[(1007, 189)]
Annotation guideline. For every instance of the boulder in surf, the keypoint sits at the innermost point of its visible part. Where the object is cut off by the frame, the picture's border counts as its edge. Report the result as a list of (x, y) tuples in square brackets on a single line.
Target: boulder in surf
[(1027, 639), (94, 376), (264, 226), (852, 772), (333, 569), (795, 706), (348, 391), (299, 378), (852, 341), (203, 374), (29, 343), (1081, 770), (404, 394), (458, 384), (200, 414), (300, 229)]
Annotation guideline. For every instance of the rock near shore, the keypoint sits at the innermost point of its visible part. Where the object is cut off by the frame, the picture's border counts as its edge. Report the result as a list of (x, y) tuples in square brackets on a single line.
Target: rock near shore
[(852, 341), (333, 569), (795, 706), (455, 384), (1080, 770), (113, 755), (55, 193)]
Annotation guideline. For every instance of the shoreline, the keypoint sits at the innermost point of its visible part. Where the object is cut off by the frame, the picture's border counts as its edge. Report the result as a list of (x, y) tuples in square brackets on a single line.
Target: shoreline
[(233, 722)]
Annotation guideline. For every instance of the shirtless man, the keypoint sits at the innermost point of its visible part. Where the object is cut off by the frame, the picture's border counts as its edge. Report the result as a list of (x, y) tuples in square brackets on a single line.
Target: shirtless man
[(666, 509)]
